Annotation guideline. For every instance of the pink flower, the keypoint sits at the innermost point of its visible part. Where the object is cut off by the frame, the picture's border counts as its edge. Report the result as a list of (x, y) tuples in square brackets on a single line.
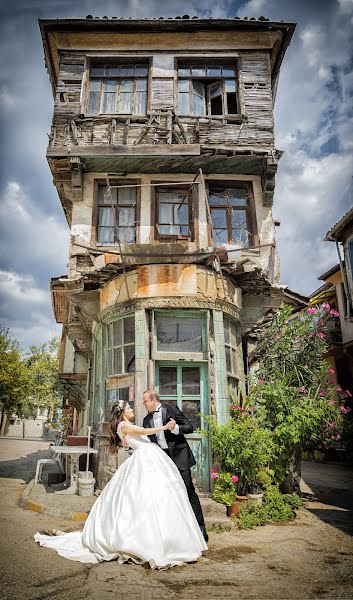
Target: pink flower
[(348, 393), (246, 413), (303, 390), (261, 381), (255, 407), (345, 410), (234, 478), (311, 311), (338, 437), (326, 306), (331, 371), (323, 393), (339, 389), (214, 470), (214, 476), (311, 334), (334, 313), (332, 424), (321, 335)]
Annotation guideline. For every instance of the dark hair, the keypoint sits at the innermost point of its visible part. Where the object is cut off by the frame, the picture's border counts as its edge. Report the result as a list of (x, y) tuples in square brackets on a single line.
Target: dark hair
[(116, 416)]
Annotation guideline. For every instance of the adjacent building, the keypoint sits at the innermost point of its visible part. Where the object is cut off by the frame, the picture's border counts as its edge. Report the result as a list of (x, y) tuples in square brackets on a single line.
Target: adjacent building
[(162, 151)]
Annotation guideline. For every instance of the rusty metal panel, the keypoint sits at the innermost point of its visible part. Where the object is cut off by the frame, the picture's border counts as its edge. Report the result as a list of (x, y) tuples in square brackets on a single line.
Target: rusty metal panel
[(166, 280)]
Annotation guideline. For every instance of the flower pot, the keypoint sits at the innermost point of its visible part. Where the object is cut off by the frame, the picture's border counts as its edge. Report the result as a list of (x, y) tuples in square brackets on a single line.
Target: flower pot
[(234, 509), (255, 499)]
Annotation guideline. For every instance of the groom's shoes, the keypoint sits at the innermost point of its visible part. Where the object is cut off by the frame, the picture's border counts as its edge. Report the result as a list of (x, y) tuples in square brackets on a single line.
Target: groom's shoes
[(204, 533)]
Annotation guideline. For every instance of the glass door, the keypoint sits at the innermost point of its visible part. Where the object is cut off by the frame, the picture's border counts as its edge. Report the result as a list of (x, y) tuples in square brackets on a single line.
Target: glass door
[(184, 385)]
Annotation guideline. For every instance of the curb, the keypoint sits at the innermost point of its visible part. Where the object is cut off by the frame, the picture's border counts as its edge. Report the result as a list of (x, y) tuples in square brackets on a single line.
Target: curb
[(26, 503)]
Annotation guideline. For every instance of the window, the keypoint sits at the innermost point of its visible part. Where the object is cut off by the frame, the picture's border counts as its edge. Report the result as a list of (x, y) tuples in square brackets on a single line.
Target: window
[(114, 394), (182, 386), (121, 346), (207, 89), (118, 89), (178, 334), (231, 342), (232, 218), (173, 214), (117, 222)]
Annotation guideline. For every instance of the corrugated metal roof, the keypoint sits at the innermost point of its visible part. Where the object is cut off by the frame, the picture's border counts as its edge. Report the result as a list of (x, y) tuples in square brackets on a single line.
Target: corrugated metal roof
[(334, 233)]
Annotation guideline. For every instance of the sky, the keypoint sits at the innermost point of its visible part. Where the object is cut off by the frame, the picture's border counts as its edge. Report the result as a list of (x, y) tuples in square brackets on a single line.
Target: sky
[(314, 128)]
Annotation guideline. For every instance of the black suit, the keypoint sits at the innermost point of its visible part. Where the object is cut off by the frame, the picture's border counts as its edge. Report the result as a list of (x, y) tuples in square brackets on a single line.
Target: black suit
[(179, 451)]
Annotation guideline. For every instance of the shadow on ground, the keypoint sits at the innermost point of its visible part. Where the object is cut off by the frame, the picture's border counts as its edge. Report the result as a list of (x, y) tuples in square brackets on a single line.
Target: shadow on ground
[(23, 467)]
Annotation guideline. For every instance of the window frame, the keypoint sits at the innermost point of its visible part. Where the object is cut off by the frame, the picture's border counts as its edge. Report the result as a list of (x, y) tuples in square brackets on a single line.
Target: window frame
[(249, 208), (208, 82), (162, 355), (95, 217), (110, 346), (163, 238), (111, 62), (233, 373)]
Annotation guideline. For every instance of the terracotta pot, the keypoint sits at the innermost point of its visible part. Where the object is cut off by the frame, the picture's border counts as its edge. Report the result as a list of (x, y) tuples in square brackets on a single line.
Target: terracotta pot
[(234, 509)]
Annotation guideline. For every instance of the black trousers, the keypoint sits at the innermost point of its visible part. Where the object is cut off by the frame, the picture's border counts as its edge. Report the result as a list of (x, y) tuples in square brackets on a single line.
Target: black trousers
[(193, 497)]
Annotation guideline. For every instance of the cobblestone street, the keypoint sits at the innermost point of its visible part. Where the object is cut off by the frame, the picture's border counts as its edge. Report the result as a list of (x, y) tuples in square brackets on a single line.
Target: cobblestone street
[(310, 557)]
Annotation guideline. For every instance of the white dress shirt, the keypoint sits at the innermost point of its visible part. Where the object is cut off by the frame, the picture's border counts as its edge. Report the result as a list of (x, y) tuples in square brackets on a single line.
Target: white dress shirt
[(158, 422)]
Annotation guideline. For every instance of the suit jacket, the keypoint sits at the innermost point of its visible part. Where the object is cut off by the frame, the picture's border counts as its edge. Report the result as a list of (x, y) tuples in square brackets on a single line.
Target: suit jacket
[(179, 449)]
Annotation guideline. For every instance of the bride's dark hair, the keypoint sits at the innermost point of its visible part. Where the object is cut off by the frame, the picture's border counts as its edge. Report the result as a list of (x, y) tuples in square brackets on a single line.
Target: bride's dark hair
[(116, 416)]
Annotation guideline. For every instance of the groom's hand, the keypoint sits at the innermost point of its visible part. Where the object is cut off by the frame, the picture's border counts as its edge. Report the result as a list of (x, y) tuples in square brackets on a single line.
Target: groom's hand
[(171, 424)]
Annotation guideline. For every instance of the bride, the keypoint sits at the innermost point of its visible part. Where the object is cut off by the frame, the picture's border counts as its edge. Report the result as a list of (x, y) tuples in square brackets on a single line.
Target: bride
[(143, 514)]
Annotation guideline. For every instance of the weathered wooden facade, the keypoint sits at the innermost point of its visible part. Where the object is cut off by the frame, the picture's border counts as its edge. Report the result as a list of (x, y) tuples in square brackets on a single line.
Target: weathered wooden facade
[(163, 154)]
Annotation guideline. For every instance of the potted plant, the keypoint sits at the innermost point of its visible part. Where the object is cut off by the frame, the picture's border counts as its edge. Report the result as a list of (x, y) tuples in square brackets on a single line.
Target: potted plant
[(225, 491), (242, 447)]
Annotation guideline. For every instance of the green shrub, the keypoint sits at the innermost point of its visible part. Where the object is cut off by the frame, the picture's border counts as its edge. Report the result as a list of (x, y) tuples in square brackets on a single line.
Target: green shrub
[(275, 507)]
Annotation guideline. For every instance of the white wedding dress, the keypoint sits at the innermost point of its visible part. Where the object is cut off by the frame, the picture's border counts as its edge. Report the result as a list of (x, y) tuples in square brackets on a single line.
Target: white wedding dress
[(143, 514)]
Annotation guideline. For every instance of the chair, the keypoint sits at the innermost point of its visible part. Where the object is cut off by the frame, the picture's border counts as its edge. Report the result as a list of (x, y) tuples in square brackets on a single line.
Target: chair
[(49, 461)]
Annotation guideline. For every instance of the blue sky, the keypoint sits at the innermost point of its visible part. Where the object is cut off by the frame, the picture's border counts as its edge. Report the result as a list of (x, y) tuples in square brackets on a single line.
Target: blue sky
[(314, 127)]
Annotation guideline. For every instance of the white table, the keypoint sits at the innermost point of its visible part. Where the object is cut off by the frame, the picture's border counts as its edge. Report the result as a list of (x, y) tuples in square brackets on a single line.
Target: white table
[(73, 453)]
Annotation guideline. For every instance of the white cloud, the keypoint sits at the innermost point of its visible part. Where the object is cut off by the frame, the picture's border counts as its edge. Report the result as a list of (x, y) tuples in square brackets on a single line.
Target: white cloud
[(14, 287), (29, 236)]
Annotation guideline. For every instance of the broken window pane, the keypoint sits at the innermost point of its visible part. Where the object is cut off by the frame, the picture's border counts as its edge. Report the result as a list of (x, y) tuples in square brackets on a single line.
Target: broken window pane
[(221, 97), (179, 334)]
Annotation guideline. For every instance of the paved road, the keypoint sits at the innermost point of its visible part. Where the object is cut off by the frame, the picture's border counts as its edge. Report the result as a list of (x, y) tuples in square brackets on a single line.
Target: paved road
[(309, 558)]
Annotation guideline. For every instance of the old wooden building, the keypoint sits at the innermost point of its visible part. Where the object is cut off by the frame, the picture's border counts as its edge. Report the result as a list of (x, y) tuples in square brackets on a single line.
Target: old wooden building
[(162, 151)]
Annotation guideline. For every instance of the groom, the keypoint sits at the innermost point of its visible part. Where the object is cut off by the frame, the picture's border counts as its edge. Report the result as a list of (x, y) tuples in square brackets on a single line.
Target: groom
[(174, 444)]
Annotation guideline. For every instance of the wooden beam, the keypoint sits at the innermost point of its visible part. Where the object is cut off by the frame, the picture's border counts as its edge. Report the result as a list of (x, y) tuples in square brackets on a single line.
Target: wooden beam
[(142, 150)]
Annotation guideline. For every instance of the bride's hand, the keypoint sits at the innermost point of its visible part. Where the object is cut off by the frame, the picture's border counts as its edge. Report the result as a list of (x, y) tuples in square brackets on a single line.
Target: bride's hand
[(169, 426)]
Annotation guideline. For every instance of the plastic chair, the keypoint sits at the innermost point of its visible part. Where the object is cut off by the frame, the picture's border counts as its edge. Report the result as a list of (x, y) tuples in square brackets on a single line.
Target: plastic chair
[(57, 460)]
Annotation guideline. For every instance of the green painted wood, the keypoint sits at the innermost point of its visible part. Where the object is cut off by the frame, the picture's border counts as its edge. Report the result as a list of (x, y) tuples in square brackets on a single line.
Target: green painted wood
[(222, 400), (199, 443)]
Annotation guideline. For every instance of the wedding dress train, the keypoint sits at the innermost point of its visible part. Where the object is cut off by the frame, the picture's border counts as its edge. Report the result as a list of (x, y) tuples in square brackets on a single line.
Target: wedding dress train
[(143, 515)]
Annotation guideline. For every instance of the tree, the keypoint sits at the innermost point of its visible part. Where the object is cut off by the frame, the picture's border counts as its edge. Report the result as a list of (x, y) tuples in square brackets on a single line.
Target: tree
[(296, 396), (42, 364), (13, 378)]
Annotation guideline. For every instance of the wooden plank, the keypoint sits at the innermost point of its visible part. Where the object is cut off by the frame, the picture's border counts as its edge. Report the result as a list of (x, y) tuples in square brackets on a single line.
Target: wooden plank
[(143, 149)]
